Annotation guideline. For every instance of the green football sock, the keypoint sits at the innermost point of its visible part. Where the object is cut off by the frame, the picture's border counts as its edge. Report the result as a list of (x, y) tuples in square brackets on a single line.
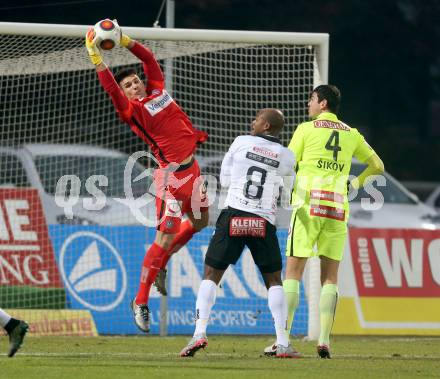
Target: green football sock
[(291, 290), (327, 309)]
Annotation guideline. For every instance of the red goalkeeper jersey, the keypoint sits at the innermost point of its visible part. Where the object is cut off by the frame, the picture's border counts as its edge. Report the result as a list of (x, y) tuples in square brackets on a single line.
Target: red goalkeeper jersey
[(157, 119)]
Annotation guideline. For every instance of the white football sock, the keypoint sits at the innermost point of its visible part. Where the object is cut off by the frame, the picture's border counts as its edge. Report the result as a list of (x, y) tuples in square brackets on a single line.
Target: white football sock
[(4, 318), (205, 301), (278, 307)]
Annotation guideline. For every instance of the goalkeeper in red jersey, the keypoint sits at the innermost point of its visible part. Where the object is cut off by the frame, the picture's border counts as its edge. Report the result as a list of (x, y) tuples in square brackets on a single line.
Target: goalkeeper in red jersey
[(156, 118)]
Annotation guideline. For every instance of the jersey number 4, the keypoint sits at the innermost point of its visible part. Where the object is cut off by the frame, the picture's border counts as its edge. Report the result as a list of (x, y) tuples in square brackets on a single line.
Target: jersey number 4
[(333, 144), (256, 176)]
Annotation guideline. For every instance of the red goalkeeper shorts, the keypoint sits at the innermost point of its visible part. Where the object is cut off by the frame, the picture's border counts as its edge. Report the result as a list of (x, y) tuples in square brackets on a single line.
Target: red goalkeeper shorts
[(179, 192)]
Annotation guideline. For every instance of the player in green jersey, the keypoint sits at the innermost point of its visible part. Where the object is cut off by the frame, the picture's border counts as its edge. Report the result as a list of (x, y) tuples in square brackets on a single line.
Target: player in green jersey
[(324, 148)]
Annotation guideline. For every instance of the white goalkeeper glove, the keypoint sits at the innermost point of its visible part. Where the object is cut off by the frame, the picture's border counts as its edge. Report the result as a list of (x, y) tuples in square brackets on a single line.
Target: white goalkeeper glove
[(125, 40), (93, 50)]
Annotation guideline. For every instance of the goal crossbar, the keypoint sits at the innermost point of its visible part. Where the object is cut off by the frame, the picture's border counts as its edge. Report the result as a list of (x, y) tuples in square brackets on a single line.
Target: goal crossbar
[(320, 40)]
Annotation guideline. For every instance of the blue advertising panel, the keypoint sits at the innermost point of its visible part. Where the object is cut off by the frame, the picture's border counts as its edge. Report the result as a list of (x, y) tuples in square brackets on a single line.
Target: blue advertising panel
[(100, 268)]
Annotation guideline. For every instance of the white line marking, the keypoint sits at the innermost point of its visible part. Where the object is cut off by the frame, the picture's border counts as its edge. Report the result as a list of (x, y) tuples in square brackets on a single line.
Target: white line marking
[(222, 355), (19, 248)]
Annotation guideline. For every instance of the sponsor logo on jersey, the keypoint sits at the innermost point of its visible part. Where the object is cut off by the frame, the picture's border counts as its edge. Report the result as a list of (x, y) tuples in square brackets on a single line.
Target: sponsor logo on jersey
[(330, 125), (261, 159), (327, 212), (173, 208), (326, 195), (265, 152), (158, 104)]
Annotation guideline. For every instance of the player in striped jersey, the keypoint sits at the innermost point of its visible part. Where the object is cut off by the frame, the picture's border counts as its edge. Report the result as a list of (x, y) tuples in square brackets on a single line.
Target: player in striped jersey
[(324, 148)]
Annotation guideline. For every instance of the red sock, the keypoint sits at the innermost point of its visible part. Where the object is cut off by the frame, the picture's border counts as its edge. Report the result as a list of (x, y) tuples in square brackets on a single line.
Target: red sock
[(186, 232), (150, 268)]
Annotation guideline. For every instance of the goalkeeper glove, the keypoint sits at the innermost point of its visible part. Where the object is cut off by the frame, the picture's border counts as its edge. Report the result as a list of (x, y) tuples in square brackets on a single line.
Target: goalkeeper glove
[(93, 50), (125, 40)]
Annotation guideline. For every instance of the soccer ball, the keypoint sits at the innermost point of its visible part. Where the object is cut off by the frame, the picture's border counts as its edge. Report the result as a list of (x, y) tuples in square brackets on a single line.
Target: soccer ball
[(108, 34)]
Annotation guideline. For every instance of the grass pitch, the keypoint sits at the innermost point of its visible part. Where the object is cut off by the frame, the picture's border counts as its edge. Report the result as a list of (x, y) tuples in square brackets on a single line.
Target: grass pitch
[(226, 357)]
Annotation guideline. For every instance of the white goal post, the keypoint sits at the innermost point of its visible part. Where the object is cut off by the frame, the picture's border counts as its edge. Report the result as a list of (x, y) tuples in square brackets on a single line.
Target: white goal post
[(319, 40), (57, 120)]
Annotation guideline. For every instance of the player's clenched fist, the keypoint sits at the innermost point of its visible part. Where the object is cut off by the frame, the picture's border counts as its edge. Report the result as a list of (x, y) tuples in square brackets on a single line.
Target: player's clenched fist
[(92, 49)]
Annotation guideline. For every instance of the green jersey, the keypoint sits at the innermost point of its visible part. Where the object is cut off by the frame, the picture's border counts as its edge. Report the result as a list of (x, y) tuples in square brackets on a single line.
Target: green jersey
[(324, 148)]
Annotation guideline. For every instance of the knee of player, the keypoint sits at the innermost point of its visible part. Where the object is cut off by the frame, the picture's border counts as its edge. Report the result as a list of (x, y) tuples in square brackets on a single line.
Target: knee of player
[(213, 274), (164, 240), (272, 279), (203, 223), (295, 267)]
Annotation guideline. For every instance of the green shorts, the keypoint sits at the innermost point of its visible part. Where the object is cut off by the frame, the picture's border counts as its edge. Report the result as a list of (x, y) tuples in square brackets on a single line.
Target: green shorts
[(305, 231)]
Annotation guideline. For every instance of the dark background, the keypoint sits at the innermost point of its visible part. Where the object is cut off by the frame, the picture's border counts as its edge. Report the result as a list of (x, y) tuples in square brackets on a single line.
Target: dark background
[(384, 56)]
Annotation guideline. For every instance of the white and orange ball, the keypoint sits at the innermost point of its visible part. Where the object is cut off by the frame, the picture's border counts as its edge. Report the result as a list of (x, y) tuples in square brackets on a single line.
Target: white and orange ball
[(108, 34)]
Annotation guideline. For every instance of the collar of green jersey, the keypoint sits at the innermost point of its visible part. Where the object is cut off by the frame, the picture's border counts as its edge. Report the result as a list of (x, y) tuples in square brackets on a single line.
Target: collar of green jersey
[(327, 116)]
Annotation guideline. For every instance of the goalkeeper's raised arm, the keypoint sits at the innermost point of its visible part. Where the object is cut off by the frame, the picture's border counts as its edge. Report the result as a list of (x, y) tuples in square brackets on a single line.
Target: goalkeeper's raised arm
[(152, 70), (155, 117), (148, 109), (153, 73)]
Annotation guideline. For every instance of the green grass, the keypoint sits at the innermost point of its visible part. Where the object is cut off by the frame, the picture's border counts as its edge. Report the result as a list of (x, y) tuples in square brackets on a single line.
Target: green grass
[(226, 357)]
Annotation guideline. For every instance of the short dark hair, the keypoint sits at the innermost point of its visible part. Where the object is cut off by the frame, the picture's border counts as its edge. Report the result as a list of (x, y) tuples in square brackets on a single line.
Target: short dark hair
[(122, 74), (331, 94), (275, 118)]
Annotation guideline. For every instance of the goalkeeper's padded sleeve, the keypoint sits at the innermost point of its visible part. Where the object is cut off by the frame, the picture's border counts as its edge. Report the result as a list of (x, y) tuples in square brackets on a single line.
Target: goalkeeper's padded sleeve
[(153, 73), (120, 101)]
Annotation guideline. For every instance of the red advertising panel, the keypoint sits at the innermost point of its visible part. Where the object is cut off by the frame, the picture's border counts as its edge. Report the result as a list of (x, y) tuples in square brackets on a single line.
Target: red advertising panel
[(26, 253), (396, 262)]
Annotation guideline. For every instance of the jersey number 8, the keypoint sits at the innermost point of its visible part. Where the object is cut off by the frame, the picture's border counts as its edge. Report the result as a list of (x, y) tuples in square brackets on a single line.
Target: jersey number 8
[(253, 188)]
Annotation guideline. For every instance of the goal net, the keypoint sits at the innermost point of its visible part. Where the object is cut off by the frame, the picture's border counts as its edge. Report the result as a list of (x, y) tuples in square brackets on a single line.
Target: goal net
[(72, 244)]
